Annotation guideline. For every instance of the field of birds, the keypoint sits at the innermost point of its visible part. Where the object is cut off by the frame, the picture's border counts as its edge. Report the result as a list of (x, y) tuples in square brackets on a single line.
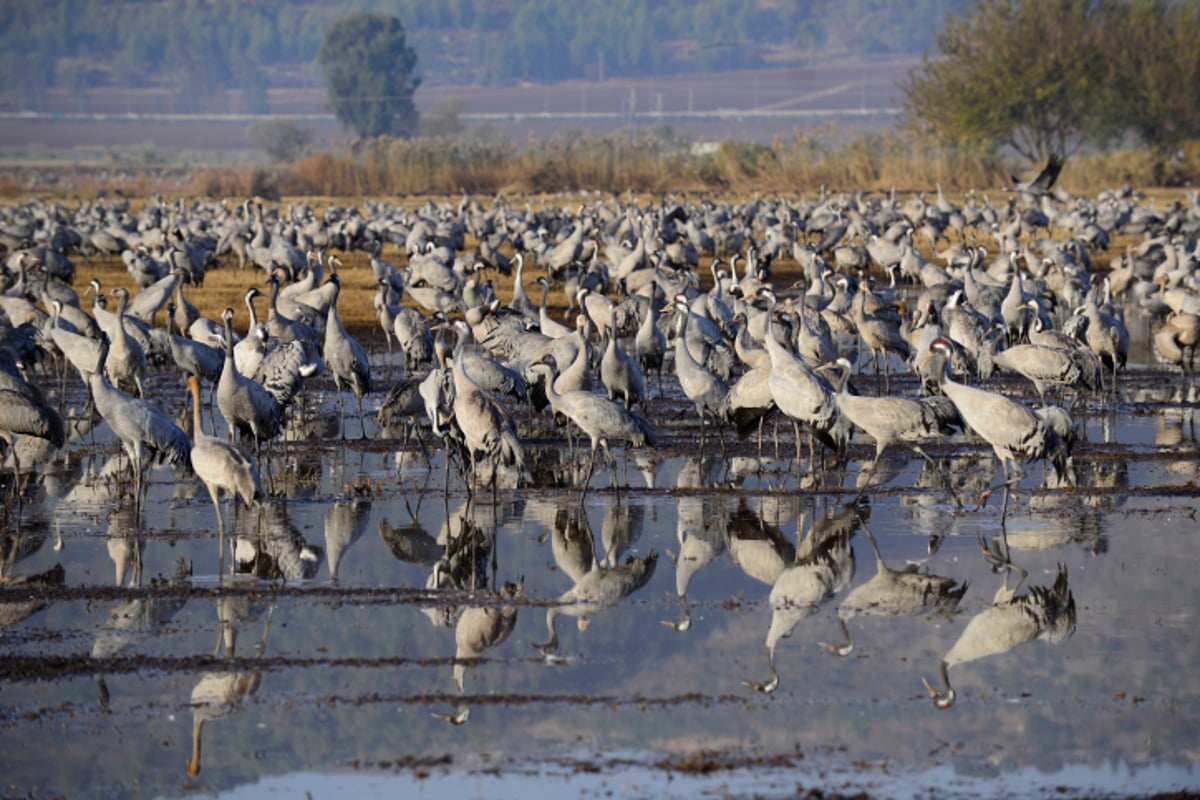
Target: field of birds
[(841, 492)]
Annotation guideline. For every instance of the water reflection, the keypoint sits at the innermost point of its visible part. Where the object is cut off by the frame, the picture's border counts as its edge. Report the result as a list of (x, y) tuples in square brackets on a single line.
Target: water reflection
[(597, 587), (267, 545), (724, 543), (218, 695), (14, 611), (824, 566), (138, 618), (1043, 612), (700, 532), (345, 523), (892, 592), (481, 626), (758, 547)]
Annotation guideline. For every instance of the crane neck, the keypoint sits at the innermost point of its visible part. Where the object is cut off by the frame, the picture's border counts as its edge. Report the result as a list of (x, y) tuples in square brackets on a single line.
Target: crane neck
[(194, 387)]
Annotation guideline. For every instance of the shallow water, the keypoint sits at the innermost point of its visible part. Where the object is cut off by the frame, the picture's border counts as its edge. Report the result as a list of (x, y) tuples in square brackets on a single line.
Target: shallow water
[(310, 682)]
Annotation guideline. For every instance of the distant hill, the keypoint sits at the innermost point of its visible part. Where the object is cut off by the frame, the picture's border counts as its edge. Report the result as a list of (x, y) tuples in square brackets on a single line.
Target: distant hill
[(62, 55)]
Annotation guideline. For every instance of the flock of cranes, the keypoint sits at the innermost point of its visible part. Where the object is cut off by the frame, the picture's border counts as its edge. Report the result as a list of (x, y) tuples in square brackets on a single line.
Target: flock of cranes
[(687, 288), (1007, 297)]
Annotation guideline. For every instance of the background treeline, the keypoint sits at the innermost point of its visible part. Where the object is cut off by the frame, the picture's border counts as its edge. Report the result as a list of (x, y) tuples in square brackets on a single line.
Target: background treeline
[(199, 47)]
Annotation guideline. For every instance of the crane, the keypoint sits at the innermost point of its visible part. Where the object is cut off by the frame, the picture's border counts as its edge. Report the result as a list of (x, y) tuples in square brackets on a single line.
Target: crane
[(126, 364), (621, 374), (489, 431), (800, 393), (1043, 182), (26, 413), (1009, 427), (193, 357), (1046, 367), (700, 385), (221, 465), (258, 409), (147, 434), (599, 418), (346, 358)]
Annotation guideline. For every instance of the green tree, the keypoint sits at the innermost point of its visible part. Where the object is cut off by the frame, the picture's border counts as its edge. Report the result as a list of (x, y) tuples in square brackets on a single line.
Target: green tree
[(1025, 73), (370, 75), (1156, 71)]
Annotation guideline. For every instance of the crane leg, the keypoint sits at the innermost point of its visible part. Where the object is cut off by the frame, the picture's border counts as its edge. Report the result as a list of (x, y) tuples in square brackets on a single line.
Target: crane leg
[(587, 478), (341, 411), (362, 424), (213, 493)]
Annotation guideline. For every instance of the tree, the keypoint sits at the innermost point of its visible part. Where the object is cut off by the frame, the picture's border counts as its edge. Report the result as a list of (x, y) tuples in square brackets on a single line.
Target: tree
[(1025, 73), (1156, 65), (370, 75)]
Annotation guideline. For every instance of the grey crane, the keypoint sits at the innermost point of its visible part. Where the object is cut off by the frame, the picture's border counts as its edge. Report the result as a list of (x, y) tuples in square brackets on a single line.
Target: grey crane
[(699, 385), (24, 412), (413, 336), (185, 314), (126, 363), (749, 402), (1045, 612), (1009, 427), (1043, 182), (493, 376), (252, 408), (488, 429), (547, 324), (193, 357), (1107, 337), (147, 303), (800, 393), (1176, 342), (221, 466), (1047, 367), (403, 405), (889, 419), (621, 374), (319, 298), (386, 302), (286, 328), (520, 300), (749, 352), (147, 434), (82, 351), (346, 358), (248, 352), (600, 419), (650, 344), (880, 334)]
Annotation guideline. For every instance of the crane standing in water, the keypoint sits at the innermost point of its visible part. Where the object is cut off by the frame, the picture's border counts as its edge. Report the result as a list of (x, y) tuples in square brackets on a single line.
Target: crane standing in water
[(221, 465)]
